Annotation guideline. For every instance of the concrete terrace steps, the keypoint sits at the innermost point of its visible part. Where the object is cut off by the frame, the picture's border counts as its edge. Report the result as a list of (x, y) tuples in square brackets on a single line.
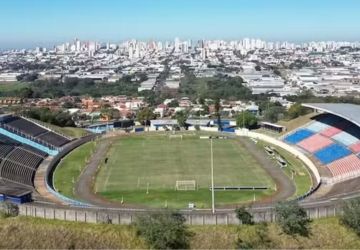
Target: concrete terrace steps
[(40, 183)]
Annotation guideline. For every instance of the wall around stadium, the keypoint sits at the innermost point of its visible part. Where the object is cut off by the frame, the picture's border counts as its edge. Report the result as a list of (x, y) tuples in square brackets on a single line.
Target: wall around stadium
[(126, 217), (283, 145)]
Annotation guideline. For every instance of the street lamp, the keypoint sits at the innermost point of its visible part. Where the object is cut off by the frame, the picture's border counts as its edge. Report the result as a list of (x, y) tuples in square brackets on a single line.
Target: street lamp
[(212, 177)]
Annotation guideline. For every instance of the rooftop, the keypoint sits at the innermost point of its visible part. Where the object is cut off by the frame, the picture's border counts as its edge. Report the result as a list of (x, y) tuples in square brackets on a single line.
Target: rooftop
[(350, 112)]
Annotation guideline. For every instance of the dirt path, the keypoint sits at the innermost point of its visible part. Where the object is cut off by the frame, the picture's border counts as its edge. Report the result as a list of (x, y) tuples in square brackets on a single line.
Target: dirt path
[(284, 186), (85, 186)]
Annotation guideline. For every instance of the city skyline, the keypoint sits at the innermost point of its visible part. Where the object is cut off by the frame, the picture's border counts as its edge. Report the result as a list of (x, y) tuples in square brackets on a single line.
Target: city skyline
[(45, 23)]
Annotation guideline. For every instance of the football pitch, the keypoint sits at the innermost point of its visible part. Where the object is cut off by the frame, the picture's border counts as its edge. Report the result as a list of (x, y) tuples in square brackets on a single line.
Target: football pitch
[(143, 170)]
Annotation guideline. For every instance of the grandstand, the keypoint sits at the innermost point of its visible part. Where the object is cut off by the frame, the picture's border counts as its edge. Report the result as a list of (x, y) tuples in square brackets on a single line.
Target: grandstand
[(23, 147), (18, 164), (30, 130), (333, 139)]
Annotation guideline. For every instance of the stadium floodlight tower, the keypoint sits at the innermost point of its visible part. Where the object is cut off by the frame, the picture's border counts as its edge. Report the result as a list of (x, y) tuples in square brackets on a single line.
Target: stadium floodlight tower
[(212, 177)]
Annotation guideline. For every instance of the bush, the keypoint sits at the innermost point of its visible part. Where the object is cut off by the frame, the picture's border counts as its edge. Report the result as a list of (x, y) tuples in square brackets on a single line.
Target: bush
[(255, 237), (246, 119), (244, 216), (351, 215), (292, 219), (166, 230), (8, 210)]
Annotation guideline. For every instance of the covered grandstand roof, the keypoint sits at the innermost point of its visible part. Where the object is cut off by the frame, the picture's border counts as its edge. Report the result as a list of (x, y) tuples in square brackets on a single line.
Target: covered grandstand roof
[(350, 112)]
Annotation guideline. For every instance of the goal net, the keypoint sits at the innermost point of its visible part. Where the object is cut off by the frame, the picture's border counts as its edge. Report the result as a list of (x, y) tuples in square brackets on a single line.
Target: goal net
[(185, 185), (175, 137)]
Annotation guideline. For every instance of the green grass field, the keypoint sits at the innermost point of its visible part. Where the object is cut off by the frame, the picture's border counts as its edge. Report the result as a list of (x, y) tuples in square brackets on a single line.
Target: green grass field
[(69, 169), (12, 86), (156, 162), (73, 132)]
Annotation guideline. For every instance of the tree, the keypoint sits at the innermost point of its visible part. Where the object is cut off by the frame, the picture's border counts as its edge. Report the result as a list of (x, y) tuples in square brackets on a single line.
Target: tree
[(205, 110), (257, 68), (8, 209), (142, 76), (165, 230), (296, 110), (68, 105), (246, 119), (145, 115), (110, 113), (28, 77), (25, 93), (59, 118), (274, 113), (292, 218), (173, 104), (201, 100), (181, 118), (351, 215), (217, 112), (244, 216)]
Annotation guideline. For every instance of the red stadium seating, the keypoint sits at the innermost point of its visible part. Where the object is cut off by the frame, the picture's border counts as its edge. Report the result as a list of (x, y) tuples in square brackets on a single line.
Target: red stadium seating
[(345, 165), (315, 143), (355, 148), (331, 131)]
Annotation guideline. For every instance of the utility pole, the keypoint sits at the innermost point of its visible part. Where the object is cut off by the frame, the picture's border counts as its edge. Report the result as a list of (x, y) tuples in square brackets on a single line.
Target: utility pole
[(243, 116), (212, 178)]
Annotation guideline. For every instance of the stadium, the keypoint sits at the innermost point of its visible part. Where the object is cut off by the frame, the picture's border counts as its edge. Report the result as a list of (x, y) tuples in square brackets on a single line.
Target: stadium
[(140, 170)]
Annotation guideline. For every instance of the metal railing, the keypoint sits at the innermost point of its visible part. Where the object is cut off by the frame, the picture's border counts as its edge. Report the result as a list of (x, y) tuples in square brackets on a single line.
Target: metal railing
[(27, 136)]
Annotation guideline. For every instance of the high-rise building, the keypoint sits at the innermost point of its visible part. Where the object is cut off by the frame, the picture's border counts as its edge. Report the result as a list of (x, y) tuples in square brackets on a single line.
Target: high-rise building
[(92, 46), (77, 45), (131, 52), (246, 44), (159, 46), (177, 44)]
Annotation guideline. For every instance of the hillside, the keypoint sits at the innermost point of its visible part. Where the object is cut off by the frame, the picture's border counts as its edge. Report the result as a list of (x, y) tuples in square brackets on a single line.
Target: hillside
[(24, 232), (72, 132)]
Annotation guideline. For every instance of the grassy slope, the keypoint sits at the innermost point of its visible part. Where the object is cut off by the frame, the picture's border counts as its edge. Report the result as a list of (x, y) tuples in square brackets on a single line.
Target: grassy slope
[(134, 162), (31, 233), (70, 168), (289, 124), (69, 131), (24, 232), (302, 177), (297, 122), (326, 234), (11, 86)]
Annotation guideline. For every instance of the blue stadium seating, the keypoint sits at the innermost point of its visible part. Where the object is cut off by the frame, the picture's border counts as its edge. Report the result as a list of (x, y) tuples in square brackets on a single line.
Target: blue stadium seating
[(332, 153), (298, 136)]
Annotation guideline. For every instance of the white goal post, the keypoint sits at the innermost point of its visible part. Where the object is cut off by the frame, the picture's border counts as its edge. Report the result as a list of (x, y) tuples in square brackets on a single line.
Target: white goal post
[(175, 137), (185, 185)]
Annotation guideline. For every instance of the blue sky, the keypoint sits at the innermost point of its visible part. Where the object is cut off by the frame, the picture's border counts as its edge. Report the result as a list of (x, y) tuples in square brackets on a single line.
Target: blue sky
[(26, 23)]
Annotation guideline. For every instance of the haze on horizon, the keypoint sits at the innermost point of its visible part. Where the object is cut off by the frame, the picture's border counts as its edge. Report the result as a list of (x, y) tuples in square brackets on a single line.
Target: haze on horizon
[(29, 23)]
